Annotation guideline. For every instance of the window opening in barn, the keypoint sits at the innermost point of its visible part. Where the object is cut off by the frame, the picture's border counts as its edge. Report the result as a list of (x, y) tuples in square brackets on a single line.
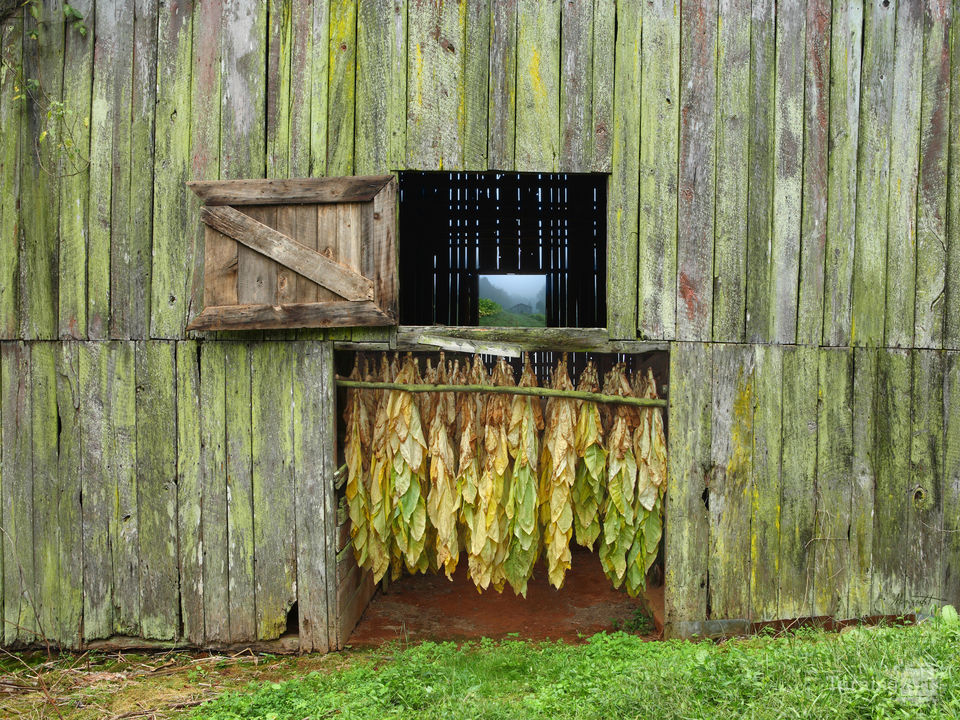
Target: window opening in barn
[(502, 249), (426, 604)]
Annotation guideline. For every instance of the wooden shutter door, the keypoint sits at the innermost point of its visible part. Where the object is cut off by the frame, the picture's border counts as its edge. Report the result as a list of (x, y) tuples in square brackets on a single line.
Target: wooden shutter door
[(298, 253)]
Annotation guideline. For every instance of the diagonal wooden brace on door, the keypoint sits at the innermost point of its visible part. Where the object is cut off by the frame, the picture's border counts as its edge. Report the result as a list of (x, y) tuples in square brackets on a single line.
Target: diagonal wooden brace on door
[(304, 261)]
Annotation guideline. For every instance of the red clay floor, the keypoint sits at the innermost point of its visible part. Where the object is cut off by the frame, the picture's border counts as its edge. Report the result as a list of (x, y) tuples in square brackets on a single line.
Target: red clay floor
[(430, 607)]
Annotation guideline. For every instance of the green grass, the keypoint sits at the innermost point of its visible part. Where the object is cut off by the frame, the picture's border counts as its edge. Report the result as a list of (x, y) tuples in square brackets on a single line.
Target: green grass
[(862, 673)]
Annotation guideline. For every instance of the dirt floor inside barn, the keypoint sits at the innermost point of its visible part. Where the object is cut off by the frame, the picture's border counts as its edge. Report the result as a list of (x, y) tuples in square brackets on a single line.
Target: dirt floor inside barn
[(430, 607)]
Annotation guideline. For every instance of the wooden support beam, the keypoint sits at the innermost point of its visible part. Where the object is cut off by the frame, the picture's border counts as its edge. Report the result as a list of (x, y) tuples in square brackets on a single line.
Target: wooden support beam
[(421, 337), (507, 390), (288, 192), (346, 313)]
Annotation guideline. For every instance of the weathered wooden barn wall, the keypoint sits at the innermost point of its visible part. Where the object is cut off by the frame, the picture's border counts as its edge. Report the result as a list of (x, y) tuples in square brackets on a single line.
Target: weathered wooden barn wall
[(784, 186)]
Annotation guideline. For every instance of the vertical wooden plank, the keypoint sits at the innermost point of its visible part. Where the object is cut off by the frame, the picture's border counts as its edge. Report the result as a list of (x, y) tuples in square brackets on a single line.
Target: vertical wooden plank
[(279, 67), (306, 224), (932, 184), (731, 454), (40, 172), (381, 67), (118, 383), (374, 66), (657, 276), (239, 497), (476, 83), (341, 89), (243, 132), (891, 515), (834, 468), (687, 515), (788, 173), (204, 132), (382, 253), (766, 486), (243, 92), (44, 481), (901, 267), (622, 191), (873, 171), (98, 489), (109, 156), (923, 543), (733, 125), (287, 280), (70, 505), (257, 275), (503, 86), (313, 466), (174, 237), (302, 54), (763, 69), (604, 44), (816, 128), (576, 86), (695, 216), (75, 185), (538, 85), (951, 332), (435, 84), (319, 86), (213, 491), (157, 489), (799, 476), (951, 481), (327, 242), (190, 491), (274, 526), (16, 493), (11, 40), (846, 34), (864, 480), (131, 250)]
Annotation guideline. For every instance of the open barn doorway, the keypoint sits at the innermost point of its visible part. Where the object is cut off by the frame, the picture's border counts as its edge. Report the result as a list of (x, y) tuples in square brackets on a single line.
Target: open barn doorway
[(399, 599)]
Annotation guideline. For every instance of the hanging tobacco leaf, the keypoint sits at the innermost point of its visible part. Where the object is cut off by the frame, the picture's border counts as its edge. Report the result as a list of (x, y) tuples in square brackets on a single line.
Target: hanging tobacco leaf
[(526, 422), (443, 501), (468, 478), (590, 484), (651, 453), (358, 470), (408, 471), (558, 479), (619, 518), (380, 537)]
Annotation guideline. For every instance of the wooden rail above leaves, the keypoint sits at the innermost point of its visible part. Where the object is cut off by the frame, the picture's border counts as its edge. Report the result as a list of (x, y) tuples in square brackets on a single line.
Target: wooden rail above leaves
[(317, 252)]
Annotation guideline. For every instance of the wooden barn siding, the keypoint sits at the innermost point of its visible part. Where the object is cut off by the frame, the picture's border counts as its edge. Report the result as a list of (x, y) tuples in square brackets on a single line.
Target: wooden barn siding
[(822, 482), (759, 189), (190, 457), (759, 192)]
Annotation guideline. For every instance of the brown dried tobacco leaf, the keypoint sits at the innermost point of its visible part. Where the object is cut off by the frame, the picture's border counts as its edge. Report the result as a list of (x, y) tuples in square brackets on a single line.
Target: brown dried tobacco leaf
[(380, 537), (556, 500), (618, 516), (651, 453), (486, 567), (408, 452), (443, 501), (523, 437), (358, 471), (589, 488), (472, 520)]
